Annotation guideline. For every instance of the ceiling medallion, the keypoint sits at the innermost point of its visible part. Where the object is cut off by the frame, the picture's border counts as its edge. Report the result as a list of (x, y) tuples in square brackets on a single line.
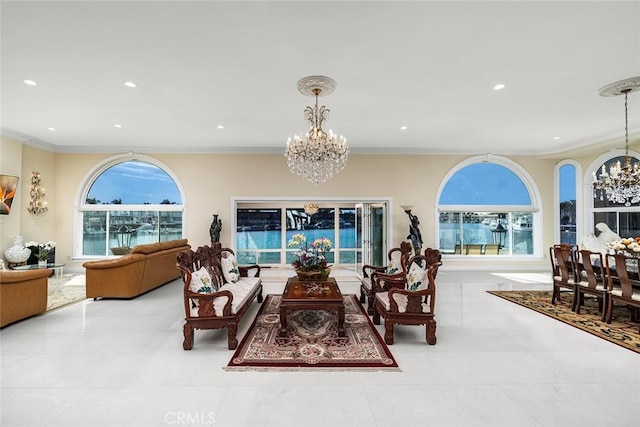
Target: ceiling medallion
[(316, 155)]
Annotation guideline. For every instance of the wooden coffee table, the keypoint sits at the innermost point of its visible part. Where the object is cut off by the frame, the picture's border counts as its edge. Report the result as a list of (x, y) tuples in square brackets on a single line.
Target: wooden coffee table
[(311, 295)]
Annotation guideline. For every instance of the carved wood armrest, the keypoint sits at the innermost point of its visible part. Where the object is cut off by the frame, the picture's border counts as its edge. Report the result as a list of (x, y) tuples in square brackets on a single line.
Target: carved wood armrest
[(244, 270), (382, 282), (205, 302), (373, 268), (414, 299)]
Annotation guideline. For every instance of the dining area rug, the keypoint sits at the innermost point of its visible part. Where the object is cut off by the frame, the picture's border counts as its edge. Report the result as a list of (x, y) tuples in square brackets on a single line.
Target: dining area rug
[(312, 341), (621, 331)]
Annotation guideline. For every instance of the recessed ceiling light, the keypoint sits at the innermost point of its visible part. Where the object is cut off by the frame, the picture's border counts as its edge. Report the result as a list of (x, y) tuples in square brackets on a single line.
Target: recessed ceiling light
[(499, 86), (117, 125), (130, 84), (403, 128), (556, 137), (51, 128), (220, 127), (30, 82)]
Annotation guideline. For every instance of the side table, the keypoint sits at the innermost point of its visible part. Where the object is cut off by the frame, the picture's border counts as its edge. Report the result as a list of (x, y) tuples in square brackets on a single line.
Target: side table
[(57, 268)]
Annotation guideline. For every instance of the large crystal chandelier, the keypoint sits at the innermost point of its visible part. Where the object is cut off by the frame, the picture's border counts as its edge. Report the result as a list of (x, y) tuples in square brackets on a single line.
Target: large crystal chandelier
[(621, 184), (317, 155)]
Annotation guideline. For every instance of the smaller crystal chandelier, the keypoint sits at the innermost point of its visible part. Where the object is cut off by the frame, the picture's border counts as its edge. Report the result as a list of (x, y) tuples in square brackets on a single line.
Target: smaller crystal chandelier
[(622, 183), (317, 155), (37, 205), (311, 208)]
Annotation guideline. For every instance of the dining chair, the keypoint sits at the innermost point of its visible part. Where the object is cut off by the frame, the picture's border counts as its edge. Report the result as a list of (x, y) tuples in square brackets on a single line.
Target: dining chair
[(491, 249), (474, 249), (562, 270), (592, 280), (623, 289)]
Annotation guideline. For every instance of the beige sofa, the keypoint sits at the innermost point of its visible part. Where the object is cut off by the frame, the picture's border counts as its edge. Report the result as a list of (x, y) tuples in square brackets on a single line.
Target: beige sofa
[(22, 294), (145, 268)]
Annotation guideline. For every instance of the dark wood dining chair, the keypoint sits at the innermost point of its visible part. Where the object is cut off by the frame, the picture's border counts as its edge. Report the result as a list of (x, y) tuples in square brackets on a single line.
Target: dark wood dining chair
[(592, 280), (562, 270), (622, 288)]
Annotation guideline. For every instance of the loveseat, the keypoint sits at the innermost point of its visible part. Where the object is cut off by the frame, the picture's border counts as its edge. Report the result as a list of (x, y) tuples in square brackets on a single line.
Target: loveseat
[(217, 291), (22, 294), (145, 268)]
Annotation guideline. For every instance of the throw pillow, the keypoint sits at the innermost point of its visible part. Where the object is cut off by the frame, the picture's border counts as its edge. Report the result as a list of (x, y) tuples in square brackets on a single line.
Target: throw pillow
[(416, 278), (230, 268), (201, 282), (393, 267)]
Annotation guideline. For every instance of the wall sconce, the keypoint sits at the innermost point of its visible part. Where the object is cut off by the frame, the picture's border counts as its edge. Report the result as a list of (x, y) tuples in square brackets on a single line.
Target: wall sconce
[(37, 205)]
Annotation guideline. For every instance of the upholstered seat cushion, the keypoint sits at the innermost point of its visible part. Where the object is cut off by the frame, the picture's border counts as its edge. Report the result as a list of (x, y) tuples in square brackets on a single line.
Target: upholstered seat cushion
[(400, 299), (241, 291), (569, 280), (618, 292), (585, 284)]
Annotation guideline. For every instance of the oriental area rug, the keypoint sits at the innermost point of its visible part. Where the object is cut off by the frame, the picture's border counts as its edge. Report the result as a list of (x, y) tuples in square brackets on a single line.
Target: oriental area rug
[(312, 341), (621, 330)]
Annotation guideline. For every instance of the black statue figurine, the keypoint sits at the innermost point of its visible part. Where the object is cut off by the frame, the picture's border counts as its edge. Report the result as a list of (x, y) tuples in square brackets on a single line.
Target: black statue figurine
[(214, 230), (414, 232)]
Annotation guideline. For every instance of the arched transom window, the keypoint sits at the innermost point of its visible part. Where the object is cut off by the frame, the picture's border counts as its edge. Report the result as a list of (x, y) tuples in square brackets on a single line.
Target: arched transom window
[(126, 203), (486, 207)]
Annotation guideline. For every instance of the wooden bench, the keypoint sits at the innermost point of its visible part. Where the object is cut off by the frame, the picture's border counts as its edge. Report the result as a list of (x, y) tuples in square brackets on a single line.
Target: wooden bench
[(217, 292)]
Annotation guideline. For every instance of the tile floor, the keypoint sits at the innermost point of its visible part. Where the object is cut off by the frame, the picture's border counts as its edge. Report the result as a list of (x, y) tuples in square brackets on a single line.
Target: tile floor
[(121, 363)]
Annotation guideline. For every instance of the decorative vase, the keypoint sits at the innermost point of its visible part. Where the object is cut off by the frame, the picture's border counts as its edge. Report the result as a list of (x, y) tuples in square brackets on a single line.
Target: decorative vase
[(17, 253), (313, 274), (42, 263)]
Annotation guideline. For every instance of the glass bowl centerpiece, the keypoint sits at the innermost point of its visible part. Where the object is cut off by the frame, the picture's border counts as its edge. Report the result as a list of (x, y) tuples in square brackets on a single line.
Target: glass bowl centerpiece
[(311, 263)]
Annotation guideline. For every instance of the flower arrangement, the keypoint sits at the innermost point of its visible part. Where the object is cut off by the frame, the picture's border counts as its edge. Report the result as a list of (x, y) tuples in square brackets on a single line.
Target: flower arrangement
[(629, 246), (44, 249), (310, 257)]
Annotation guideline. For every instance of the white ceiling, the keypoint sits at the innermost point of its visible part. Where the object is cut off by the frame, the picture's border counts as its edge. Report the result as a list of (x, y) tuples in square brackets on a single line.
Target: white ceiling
[(430, 66)]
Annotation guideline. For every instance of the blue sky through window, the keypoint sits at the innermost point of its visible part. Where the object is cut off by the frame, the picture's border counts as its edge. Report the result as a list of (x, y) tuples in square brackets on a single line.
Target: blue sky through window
[(135, 182), (485, 184), (567, 183)]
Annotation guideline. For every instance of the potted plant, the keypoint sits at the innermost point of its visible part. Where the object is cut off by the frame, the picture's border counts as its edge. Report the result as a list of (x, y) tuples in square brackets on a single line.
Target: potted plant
[(42, 251), (311, 262)]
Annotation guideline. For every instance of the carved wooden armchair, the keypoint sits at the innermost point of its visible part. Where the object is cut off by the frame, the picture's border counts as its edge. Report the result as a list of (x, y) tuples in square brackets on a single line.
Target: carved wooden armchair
[(413, 304), (396, 267)]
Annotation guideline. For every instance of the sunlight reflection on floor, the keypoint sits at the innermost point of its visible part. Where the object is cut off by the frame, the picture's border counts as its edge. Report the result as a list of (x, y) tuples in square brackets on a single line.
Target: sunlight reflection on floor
[(526, 277)]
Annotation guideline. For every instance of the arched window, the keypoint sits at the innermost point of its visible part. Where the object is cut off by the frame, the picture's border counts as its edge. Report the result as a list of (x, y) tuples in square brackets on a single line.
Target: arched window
[(624, 220), (127, 202), (488, 206), (567, 202)]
